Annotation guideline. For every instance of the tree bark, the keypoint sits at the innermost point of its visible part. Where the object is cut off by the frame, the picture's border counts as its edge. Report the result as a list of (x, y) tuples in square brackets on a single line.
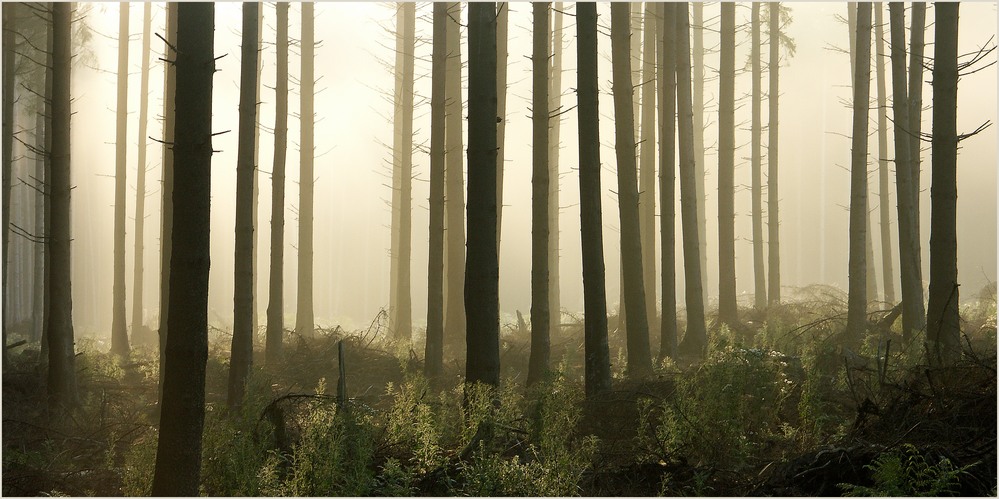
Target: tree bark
[(119, 324), (305, 315), (8, 143), (728, 309), (639, 356), (884, 182), (913, 313), (482, 264), (454, 208), (138, 329), (647, 168), (166, 226), (917, 33), (759, 271), (597, 354), (403, 302), (502, 56), (773, 221), (434, 354), (256, 172), (540, 321), (396, 168), (242, 331), (275, 304), (554, 210), (943, 325), (666, 59), (857, 293), (178, 454), (700, 164)]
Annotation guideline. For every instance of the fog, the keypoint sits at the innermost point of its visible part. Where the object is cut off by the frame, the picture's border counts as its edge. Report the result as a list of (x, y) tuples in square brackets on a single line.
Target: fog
[(353, 122)]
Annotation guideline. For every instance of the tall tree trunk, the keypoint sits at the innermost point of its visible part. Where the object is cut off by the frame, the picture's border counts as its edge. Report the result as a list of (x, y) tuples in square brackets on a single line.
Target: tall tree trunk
[(884, 182), (454, 199), (482, 264), (728, 309), (434, 354), (647, 168), (597, 353), (666, 59), (773, 218), (695, 340), (917, 33), (256, 172), (502, 55), (39, 289), (396, 168), (913, 313), (943, 325), (635, 64), (759, 272), (62, 360), (540, 321), (857, 301), (119, 324), (403, 302), (700, 164), (178, 454), (8, 143), (166, 226), (242, 329), (554, 138), (140, 178), (43, 351), (304, 318), (639, 356), (275, 303)]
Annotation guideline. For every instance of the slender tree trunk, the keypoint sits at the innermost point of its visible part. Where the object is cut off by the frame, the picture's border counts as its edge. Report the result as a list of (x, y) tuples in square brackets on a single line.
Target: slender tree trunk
[(695, 340), (597, 353), (482, 264), (119, 324), (639, 356), (884, 182), (304, 318), (140, 178), (242, 330), (166, 226), (773, 220), (8, 144), (256, 170), (275, 304), (62, 360), (396, 169), (647, 168), (41, 229), (666, 59), (434, 354), (913, 313), (454, 208), (43, 351), (857, 301), (917, 33), (728, 309), (943, 325), (403, 302), (759, 271), (540, 322), (178, 454), (700, 164), (554, 133), (502, 55)]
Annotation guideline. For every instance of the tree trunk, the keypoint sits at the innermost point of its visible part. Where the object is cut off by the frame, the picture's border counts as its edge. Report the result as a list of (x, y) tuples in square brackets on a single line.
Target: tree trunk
[(917, 33), (482, 264), (43, 351), (304, 318), (540, 321), (8, 143), (647, 168), (138, 329), (666, 59), (695, 340), (256, 172), (884, 182), (242, 329), (166, 227), (403, 302), (275, 303), (857, 293), (597, 354), (759, 271), (773, 221), (502, 55), (39, 289), (728, 309), (639, 356), (62, 360), (554, 210), (913, 313), (119, 324), (178, 454), (454, 209), (943, 325), (700, 164), (396, 168), (434, 354)]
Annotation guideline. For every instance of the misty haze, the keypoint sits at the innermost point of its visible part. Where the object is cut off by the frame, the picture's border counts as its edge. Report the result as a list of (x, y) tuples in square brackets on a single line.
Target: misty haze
[(545, 248)]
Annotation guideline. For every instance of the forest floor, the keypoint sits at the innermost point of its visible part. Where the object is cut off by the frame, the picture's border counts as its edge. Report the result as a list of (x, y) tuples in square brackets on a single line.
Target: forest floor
[(777, 408)]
